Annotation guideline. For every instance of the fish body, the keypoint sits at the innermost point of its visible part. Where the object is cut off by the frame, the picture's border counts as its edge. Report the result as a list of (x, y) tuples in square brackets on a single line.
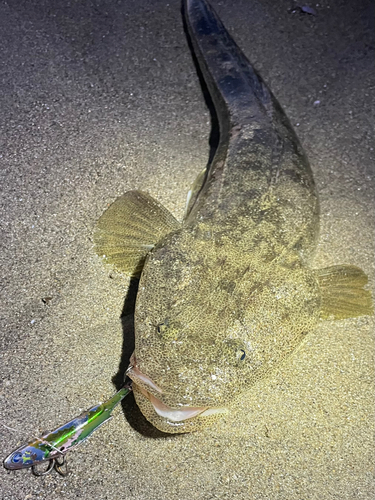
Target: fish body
[(228, 294)]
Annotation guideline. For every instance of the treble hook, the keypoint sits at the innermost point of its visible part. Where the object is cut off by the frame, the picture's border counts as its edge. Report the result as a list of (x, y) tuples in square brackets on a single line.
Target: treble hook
[(58, 466), (52, 464), (43, 473), (53, 445)]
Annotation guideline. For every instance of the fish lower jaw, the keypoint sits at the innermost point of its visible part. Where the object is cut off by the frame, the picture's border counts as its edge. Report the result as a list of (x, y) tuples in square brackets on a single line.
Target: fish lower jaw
[(180, 414), (144, 385)]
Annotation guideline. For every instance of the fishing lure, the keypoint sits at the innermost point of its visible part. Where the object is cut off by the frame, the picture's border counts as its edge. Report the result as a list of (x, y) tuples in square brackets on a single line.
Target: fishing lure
[(53, 445)]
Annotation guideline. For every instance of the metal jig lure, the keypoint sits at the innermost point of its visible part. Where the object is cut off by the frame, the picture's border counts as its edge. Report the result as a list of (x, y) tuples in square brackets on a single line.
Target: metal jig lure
[(55, 444)]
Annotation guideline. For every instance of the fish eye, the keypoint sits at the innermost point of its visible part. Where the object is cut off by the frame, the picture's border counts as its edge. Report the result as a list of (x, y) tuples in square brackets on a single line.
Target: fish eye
[(236, 350), (161, 327), (241, 354)]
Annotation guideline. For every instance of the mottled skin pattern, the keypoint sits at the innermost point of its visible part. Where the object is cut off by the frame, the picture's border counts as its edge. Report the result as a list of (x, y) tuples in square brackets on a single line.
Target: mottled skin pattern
[(227, 295), (225, 298)]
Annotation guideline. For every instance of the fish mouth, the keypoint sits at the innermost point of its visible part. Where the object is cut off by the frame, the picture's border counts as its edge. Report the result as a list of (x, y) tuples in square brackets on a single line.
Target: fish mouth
[(148, 388)]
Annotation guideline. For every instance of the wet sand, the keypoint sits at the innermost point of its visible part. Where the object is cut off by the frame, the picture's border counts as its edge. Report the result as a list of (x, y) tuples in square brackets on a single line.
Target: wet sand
[(102, 97)]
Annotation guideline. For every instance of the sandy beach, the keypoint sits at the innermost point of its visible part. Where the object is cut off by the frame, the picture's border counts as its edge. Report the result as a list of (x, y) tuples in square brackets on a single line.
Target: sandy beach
[(101, 97)]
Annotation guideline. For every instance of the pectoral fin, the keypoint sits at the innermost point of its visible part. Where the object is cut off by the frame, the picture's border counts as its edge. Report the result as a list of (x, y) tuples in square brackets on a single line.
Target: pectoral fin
[(343, 295), (130, 228)]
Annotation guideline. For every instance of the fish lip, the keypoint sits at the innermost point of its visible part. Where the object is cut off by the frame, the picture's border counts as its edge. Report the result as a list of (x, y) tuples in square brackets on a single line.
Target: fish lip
[(151, 391), (167, 412), (139, 378)]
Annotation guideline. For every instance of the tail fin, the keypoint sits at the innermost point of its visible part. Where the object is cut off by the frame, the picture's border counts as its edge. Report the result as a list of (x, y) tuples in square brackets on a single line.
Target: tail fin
[(236, 89)]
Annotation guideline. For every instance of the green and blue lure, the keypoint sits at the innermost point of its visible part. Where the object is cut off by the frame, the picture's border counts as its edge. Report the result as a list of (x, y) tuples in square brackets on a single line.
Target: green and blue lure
[(54, 445)]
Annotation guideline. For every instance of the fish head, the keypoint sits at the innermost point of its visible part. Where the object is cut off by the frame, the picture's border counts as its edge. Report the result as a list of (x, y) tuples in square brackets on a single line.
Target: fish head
[(209, 322)]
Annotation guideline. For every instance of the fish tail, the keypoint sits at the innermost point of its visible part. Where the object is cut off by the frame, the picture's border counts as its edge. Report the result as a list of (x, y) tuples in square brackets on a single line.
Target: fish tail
[(237, 91)]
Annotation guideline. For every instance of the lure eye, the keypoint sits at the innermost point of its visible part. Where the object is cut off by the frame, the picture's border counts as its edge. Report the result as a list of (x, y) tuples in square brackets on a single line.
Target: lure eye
[(17, 458)]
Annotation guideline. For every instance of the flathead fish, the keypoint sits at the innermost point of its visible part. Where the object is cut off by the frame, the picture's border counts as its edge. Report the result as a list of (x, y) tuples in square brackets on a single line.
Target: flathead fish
[(226, 295)]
